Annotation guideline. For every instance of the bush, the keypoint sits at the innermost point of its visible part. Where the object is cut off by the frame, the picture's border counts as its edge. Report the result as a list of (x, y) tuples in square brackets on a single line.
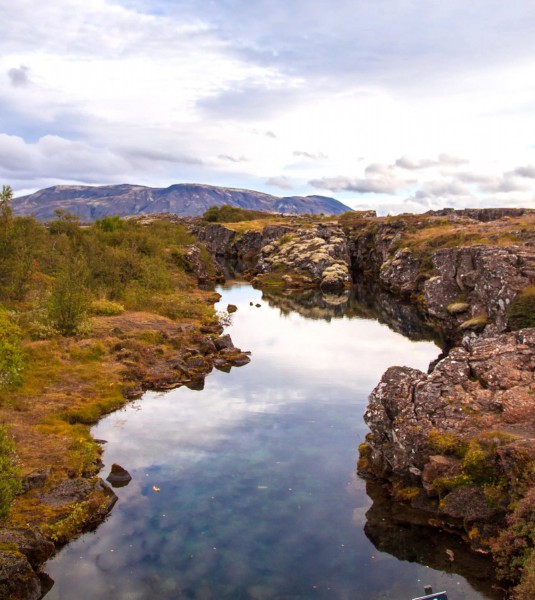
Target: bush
[(69, 301), (106, 308), (10, 479), (11, 361), (521, 311), (232, 214), (514, 547)]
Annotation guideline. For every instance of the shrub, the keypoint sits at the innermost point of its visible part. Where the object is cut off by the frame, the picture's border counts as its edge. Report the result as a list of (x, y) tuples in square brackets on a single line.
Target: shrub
[(10, 479), (109, 224), (106, 308), (11, 361), (521, 311), (514, 547), (69, 301), (232, 214)]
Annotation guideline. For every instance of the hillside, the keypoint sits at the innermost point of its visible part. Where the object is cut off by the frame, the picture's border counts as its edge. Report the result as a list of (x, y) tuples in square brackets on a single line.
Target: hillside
[(95, 202)]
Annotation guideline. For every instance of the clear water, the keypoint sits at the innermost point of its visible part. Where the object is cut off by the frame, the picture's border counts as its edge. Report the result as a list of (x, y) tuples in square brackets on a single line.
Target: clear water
[(258, 497)]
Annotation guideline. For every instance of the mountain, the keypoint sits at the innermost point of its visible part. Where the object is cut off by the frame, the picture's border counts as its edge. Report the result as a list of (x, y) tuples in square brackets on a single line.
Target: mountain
[(184, 199)]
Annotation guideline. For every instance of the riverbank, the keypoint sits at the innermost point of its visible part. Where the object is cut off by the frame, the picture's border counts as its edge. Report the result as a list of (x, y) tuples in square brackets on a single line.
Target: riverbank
[(74, 382), (93, 317), (469, 440)]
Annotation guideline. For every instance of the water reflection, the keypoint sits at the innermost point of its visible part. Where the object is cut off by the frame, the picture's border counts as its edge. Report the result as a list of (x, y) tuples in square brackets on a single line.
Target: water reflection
[(403, 532), (256, 494), (361, 302)]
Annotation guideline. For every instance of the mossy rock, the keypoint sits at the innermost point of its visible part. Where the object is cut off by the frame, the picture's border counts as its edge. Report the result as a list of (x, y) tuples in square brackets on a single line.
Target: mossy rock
[(457, 308)]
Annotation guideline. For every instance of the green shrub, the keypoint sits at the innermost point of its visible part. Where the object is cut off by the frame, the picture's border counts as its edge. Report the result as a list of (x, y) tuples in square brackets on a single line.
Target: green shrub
[(521, 311), (232, 214), (69, 301), (10, 478), (109, 224), (11, 361), (106, 308)]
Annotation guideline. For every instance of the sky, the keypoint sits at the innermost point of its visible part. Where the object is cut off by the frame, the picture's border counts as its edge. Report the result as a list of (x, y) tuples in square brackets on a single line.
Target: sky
[(392, 105)]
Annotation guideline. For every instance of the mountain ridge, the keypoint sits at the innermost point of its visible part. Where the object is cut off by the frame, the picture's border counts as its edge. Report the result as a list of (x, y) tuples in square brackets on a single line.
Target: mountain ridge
[(184, 199)]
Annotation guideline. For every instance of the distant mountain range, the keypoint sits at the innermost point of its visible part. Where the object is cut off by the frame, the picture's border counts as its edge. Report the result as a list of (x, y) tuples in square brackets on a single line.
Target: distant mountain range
[(184, 199)]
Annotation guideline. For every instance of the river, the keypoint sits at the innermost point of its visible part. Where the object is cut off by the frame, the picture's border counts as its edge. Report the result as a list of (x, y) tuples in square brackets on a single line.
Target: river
[(247, 489)]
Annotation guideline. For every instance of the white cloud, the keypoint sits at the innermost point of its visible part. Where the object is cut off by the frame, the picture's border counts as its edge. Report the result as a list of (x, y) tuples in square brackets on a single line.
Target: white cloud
[(282, 182), (157, 93)]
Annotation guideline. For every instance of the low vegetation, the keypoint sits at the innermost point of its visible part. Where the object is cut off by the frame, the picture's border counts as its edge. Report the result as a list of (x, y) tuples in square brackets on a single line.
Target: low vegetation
[(521, 312), (233, 214), (83, 310)]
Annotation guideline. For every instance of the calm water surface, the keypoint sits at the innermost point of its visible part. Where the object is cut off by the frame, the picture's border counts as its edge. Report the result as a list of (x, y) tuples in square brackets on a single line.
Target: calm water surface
[(258, 494)]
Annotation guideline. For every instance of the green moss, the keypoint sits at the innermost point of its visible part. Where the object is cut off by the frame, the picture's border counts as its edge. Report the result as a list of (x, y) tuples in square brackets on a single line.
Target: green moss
[(457, 308), (448, 444), (476, 323), (521, 311)]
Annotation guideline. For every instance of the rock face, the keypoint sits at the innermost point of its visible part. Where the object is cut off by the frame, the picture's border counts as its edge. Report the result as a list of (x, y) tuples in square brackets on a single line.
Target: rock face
[(309, 257), (465, 432), (482, 279), (95, 202)]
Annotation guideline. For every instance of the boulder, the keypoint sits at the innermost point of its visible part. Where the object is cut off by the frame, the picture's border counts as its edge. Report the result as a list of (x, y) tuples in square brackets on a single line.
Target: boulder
[(118, 476), (18, 581), (29, 542), (223, 341)]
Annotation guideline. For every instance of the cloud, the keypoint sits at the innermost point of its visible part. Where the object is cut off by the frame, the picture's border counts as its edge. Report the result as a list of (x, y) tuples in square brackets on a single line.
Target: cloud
[(443, 160), (359, 185), (148, 155), (233, 159), (505, 185), (57, 158), (441, 189), (19, 77), (527, 171), (281, 182), (251, 100), (310, 155)]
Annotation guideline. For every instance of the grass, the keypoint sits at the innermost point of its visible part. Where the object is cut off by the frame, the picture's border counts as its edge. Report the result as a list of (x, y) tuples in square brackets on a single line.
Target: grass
[(521, 312)]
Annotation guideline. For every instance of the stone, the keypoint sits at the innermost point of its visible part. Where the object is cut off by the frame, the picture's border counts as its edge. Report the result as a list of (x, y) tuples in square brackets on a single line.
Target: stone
[(118, 476), (29, 542), (438, 466), (232, 308), (18, 581), (223, 341), (35, 479)]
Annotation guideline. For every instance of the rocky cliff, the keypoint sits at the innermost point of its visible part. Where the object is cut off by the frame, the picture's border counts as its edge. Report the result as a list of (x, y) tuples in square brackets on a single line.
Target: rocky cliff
[(457, 443)]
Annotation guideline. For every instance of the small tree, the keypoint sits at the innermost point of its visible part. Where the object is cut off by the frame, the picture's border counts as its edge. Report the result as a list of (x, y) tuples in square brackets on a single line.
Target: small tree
[(10, 479), (69, 301), (11, 361)]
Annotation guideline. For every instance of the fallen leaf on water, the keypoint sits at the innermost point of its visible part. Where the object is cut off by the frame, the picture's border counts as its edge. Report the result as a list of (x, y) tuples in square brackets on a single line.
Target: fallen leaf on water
[(156, 489)]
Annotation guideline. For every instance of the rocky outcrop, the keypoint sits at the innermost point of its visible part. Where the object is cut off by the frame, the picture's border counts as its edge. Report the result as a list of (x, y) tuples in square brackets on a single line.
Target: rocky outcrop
[(312, 257), (485, 215), (465, 433), (475, 285)]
